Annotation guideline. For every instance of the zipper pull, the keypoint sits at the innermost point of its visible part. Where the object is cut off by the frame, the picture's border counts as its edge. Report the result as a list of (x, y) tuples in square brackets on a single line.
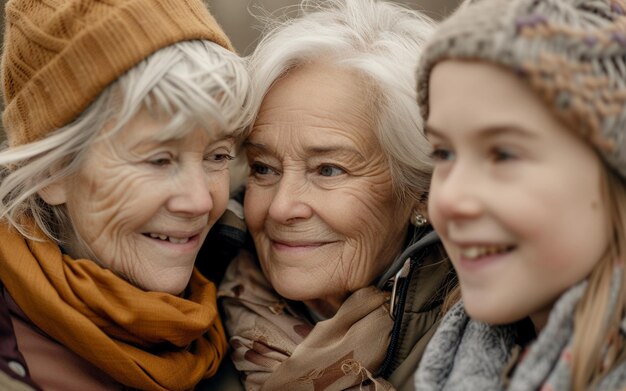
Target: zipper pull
[(400, 275)]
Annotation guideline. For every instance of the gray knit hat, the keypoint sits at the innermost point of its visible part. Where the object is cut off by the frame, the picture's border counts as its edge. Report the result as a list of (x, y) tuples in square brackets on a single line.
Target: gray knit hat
[(572, 53)]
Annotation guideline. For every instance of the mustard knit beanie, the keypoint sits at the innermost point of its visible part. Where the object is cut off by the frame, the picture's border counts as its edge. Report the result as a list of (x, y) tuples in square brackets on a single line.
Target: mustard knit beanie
[(59, 55), (572, 53)]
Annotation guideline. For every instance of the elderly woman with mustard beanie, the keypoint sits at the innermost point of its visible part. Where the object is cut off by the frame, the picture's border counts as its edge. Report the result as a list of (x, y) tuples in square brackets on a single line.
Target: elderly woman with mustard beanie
[(525, 106), (121, 117)]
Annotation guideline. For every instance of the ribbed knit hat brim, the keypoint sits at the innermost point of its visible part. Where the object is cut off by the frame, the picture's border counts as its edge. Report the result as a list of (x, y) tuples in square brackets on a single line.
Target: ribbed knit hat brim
[(60, 55)]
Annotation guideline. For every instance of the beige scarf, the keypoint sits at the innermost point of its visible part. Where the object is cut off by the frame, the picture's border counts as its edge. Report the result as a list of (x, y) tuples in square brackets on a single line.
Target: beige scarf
[(145, 340), (277, 349)]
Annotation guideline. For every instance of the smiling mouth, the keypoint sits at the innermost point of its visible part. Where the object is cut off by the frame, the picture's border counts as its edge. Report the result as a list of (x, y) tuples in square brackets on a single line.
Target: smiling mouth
[(170, 239), (475, 252), (300, 245)]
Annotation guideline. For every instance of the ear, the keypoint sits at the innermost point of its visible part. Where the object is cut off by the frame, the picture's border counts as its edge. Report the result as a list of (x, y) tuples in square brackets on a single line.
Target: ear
[(54, 194)]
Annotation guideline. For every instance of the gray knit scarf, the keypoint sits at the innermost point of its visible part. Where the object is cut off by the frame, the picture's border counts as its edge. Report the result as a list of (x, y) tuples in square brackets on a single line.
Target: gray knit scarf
[(469, 355)]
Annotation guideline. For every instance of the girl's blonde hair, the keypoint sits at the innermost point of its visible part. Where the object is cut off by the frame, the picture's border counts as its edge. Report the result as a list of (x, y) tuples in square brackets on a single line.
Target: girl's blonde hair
[(598, 346)]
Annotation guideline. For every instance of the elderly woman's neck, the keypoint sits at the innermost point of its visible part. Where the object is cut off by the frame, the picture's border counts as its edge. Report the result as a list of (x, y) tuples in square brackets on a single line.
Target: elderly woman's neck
[(324, 308)]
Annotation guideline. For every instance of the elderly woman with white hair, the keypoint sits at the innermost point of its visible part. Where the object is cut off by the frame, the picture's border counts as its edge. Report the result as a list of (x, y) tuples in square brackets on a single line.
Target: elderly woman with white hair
[(346, 281), (121, 117)]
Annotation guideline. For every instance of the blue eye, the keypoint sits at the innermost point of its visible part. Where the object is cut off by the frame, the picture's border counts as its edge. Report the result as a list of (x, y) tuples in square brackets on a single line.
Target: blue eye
[(328, 170), (261, 169)]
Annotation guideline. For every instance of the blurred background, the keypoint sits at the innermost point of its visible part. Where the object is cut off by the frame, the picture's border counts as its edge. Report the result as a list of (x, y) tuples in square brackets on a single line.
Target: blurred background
[(237, 17), (238, 20)]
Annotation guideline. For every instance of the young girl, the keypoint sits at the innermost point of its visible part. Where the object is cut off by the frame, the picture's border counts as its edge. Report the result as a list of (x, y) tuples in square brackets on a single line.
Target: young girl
[(525, 103)]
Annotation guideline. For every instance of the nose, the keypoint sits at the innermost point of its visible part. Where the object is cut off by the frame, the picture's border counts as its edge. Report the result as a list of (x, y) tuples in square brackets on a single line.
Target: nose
[(192, 194), (455, 194), (290, 200)]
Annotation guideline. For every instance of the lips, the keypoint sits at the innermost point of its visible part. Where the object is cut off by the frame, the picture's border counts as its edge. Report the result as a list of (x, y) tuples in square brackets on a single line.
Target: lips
[(299, 244)]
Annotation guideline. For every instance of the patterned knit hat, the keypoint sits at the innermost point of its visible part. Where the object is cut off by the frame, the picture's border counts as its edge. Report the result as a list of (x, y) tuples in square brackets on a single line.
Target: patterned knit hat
[(572, 53), (59, 55)]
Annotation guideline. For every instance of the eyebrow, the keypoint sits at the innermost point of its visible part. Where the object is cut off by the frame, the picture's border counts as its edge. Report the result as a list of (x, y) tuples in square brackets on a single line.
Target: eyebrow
[(333, 149), (429, 129), (486, 132), (213, 138), (146, 145), (250, 144)]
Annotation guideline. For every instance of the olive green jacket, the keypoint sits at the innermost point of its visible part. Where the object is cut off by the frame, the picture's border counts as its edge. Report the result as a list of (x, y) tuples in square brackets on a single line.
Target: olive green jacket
[(425, 279)]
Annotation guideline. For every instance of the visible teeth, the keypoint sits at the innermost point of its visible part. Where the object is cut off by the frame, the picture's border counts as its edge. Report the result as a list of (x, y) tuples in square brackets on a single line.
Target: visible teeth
[(471, 252), (178, 240), (481, 251), (169, 238)]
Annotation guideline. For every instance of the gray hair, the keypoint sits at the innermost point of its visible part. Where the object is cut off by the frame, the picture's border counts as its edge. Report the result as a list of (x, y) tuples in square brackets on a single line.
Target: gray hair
[(379, 40), (188, 84)]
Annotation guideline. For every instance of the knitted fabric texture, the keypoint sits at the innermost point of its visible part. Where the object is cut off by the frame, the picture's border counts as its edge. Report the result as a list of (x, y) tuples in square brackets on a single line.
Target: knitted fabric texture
[(59, 55), (572, 53), (465, 354)]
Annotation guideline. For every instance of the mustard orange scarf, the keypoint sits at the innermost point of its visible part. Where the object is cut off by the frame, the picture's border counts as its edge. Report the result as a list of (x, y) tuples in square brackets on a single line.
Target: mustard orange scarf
[(145, 340)]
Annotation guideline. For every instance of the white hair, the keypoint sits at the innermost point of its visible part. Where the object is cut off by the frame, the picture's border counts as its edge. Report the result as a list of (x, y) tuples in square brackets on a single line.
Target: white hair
[(381, 41), (187, 84)]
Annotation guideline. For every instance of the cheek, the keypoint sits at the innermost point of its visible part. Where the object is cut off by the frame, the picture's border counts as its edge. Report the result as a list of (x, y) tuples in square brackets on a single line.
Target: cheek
[(255, 207), (375, 229), (97, 205), (566, 224), (581, 240), (220, 194), (364, 208), (434, 217)]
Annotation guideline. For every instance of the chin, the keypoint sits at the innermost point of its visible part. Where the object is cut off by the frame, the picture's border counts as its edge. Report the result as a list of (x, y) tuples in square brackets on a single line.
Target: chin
[(172, 283), (295, 292), (493, 314), (292, 294)]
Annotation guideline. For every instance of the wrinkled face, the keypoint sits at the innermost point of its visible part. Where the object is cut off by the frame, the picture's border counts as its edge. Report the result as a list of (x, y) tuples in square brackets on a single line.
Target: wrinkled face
[(143, 207), (515, 195), (319, 202)]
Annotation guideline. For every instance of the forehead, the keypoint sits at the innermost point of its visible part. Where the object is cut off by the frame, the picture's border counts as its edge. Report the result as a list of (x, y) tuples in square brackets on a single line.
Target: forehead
[(146, 127), (318, 101), (342, 94), (476, 105), (473, 95)]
